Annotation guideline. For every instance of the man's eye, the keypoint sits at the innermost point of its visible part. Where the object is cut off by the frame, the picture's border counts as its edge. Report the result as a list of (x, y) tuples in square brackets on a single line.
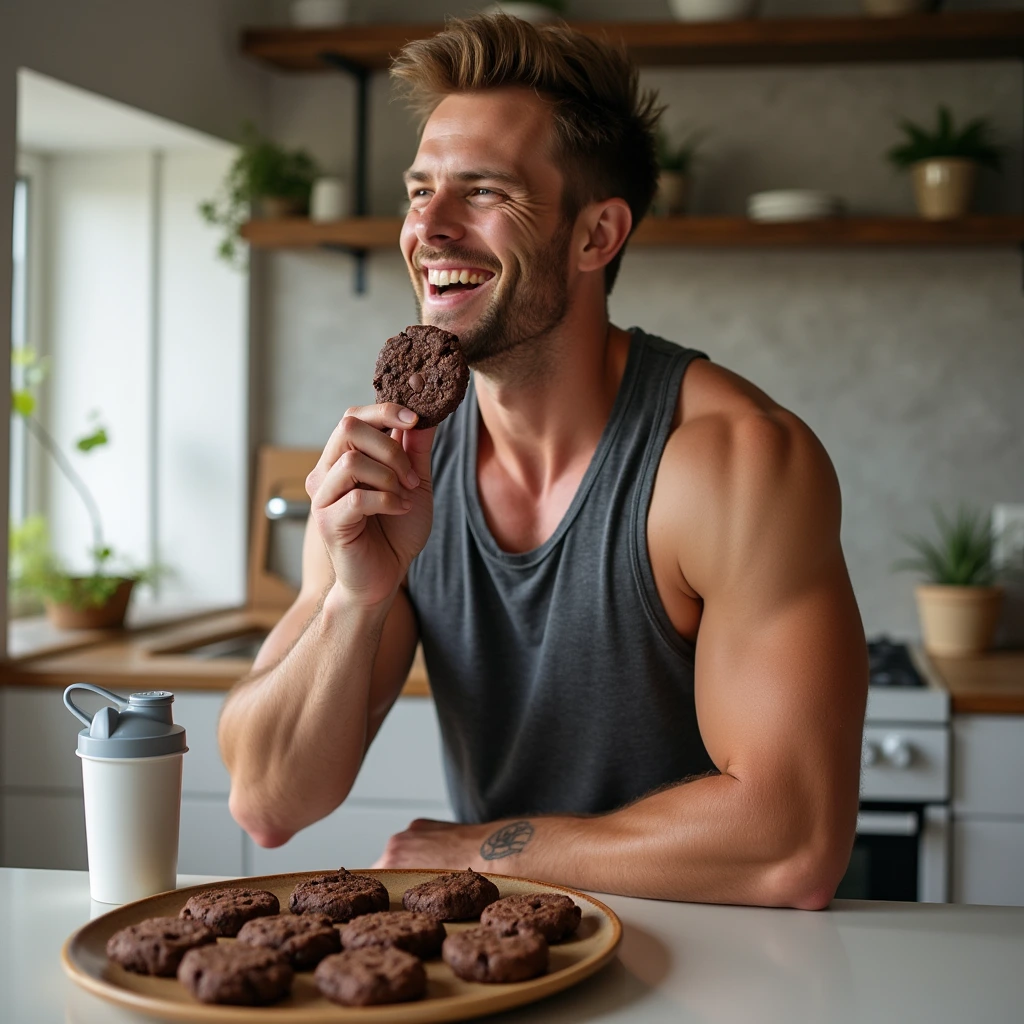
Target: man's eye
[(482, 192)]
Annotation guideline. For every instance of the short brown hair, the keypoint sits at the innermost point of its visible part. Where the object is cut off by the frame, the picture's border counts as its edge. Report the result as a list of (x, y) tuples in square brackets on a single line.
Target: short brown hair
[(604, 123)]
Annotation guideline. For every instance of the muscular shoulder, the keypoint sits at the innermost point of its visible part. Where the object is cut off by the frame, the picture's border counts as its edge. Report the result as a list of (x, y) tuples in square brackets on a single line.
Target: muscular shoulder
[(743, 484)]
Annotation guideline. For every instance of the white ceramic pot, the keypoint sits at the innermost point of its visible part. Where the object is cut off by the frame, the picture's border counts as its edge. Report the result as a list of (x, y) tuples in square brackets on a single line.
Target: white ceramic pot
[(943, 187), (328, 200), (132, 812), (892, 8), (713, 10), (538, 14), (319, 13)]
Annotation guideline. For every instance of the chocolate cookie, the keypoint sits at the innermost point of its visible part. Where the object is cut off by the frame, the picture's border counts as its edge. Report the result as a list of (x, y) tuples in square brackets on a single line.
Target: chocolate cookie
[(419, 934), (156, 945), (241, 975), (422, 368), (368, 977), (555, 916), (305, 939), (482, 954), (340, 895), (459, 896), (226, 910)]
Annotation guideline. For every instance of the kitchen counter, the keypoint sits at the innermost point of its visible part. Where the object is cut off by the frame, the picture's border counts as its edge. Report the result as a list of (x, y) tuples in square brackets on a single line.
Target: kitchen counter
[(678, 962), (983, 684), (154, 656)]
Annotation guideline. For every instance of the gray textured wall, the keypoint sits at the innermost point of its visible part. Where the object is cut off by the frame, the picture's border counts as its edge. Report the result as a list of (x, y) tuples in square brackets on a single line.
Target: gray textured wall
[(909, 365)]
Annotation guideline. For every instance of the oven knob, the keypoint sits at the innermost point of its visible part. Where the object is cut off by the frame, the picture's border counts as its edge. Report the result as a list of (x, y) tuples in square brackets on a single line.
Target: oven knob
[(898, 752), (869, 754)]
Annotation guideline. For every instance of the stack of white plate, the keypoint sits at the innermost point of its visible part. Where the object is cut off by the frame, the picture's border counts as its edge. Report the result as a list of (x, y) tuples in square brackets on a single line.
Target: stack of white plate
[(793, 204)]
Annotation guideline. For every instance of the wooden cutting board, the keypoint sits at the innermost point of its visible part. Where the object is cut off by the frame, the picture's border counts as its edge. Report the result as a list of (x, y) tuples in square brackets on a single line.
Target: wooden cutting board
[(448, 998)]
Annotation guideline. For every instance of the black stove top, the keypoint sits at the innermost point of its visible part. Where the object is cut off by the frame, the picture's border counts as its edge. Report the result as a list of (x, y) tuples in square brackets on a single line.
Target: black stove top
[(891, 664)]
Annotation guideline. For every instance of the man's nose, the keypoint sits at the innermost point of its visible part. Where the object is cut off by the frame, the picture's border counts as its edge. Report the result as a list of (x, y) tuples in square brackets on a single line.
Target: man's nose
[(438, 222)]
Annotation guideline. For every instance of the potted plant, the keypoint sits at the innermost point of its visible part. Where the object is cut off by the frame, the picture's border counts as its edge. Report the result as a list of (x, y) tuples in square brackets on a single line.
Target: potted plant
[(265, 180), (943, 163), (538, 12), (94, 600), (675, 163), (959, 602)]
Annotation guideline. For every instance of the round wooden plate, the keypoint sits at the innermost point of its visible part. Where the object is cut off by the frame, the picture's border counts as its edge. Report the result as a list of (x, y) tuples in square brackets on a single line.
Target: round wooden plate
[(448, 998)]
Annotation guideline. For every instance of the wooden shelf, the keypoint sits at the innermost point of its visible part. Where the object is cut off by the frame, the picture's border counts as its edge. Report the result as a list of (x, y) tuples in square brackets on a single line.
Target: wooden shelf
[(947, 36), (714, 232)]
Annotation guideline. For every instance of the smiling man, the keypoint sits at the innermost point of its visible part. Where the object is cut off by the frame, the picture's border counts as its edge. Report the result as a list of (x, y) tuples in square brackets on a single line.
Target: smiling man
[(623, 561)]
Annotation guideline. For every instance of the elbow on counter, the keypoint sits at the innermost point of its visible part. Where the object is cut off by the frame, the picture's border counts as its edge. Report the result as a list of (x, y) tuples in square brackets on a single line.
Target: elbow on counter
[(254, 820), (808, 879)]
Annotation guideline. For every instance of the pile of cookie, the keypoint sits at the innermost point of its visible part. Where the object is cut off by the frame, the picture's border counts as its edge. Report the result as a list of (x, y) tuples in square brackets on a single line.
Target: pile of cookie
[(376, 957)]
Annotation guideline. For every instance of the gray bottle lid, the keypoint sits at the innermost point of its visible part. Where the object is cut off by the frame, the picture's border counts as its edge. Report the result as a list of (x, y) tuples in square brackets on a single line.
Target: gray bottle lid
[(139, 725)]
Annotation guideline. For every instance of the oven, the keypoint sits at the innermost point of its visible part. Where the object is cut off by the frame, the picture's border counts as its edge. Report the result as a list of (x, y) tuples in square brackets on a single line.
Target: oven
[(901, 851)]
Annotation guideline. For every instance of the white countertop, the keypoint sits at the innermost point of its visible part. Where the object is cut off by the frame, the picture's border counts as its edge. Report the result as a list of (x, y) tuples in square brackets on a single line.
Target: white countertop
[(678, 962)]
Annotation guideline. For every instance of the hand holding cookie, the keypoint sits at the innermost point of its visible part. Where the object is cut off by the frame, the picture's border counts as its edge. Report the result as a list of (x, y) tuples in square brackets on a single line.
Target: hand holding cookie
[(370, 491)]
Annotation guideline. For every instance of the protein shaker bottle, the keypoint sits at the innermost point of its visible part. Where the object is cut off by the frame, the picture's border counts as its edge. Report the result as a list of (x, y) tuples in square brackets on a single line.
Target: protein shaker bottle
[(131, 772)]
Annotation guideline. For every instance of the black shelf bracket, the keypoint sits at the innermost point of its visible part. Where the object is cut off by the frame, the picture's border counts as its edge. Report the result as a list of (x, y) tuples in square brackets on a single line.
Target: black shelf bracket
[(361, 76)]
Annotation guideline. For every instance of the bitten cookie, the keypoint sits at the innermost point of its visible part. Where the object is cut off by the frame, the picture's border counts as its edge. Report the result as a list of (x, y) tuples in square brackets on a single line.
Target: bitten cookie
[(226, 910), (422, 368), (340, 895), (419, 934), (157, 945), (459, 896), (555, 916), (481, 954), (368, 977), (241, 975), (305, 939)]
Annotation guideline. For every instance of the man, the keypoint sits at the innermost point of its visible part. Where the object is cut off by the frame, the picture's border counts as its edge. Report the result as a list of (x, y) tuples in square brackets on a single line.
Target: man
[(623, 561)]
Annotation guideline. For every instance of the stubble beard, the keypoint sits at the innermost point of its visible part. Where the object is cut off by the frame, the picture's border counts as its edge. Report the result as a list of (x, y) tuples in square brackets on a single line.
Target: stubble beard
[(506, 340)]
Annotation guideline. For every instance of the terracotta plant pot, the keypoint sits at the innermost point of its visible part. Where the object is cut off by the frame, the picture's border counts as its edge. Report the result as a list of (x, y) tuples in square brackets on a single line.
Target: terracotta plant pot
[(943, 187), (957, 621), (673, 194), (108, 616), (272, 207)]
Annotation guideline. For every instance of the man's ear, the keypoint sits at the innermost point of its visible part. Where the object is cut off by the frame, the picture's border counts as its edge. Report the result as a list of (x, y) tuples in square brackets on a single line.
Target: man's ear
[(602, 231)]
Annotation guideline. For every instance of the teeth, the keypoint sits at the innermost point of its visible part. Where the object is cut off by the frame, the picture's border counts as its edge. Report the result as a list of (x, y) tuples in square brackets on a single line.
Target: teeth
[(444, 278)]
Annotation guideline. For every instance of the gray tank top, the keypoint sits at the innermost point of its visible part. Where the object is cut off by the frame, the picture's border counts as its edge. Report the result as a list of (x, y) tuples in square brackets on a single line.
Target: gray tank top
[(560, 683)]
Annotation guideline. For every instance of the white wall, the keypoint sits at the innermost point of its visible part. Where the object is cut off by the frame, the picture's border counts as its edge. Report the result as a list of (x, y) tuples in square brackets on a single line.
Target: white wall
[(202, 373)]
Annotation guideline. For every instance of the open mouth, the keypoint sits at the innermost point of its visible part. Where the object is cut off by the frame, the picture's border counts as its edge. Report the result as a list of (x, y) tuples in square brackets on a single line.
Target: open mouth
[(455, 280)]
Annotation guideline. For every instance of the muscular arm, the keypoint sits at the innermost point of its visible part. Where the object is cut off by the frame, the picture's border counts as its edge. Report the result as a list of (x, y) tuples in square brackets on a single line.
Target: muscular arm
[(293, 733), (781, 675)]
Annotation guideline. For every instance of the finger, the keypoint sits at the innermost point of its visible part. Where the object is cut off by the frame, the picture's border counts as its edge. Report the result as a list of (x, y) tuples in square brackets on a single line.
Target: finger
[(354, 469), (361, 428), (417, 445), (355, 506)]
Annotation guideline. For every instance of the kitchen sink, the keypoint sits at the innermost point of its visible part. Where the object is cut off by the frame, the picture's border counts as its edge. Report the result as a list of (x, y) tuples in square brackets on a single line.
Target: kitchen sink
[(244, 645)]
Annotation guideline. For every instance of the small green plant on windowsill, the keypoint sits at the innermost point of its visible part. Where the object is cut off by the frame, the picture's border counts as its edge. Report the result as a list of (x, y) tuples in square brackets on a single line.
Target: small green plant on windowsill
[(98, 598), (265, 179), (675, 172)]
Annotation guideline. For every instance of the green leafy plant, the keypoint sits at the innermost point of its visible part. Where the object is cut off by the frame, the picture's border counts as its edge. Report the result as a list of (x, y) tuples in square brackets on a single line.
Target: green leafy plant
[(261, 170), (962, 556), (677, 157), (34, 570), (972, 142)]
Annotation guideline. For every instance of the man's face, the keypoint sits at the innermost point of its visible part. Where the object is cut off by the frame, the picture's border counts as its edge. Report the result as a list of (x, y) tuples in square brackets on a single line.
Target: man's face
[(486, 211)]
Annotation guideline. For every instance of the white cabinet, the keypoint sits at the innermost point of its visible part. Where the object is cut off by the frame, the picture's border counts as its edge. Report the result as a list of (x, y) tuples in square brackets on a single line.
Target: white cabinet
[(42, 819), (988, 856), (988, 809)]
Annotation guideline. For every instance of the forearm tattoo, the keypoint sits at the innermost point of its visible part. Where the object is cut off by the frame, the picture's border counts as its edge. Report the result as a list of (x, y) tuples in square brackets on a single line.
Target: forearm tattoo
[(507, 840)]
